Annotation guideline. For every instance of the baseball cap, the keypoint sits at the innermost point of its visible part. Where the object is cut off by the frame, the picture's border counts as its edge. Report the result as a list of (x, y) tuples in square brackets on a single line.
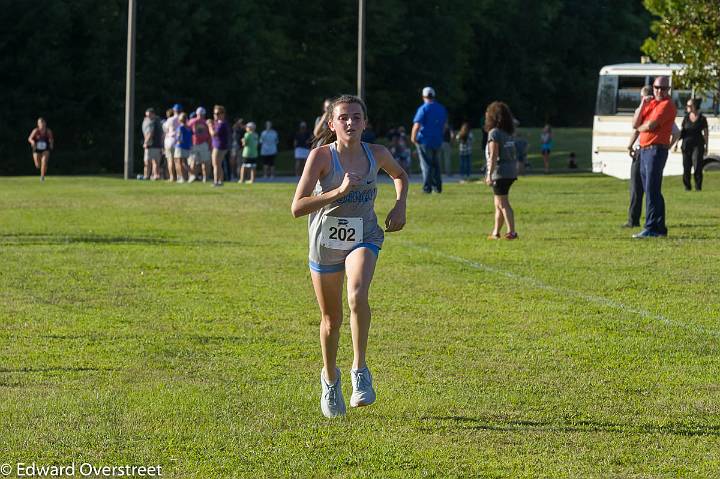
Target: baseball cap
[(150, 110), (177, 107), (200, 111), (428, 92)]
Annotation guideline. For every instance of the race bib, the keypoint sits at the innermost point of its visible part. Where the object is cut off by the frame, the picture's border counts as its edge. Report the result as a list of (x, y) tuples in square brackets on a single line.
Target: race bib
[(341, 233), (40, 145)]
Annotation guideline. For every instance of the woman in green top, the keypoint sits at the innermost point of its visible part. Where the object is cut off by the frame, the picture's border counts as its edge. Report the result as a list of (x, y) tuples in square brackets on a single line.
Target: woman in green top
[(249, 152), (501, 165)]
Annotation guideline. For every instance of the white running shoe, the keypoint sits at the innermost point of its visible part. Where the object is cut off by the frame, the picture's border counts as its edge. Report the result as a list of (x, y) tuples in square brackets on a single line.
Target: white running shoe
[(191, 178), (363, 393), (332, 403), (181, 180)]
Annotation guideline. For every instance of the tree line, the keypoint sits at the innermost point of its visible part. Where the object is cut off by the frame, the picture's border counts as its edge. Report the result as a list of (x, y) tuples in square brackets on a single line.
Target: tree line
[(277, 60)]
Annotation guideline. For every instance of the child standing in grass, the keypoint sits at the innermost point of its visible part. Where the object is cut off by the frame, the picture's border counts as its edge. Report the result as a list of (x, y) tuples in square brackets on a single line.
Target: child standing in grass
[(337, 189), (249, 152), (465, 139), (546, 144)]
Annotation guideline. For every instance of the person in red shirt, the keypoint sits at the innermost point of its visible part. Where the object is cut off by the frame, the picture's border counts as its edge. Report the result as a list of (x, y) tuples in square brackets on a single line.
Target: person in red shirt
[(653, 120)]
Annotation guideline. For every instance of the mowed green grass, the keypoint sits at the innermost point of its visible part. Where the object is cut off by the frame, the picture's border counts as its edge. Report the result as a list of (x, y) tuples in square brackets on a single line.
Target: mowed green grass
[(146, 323)]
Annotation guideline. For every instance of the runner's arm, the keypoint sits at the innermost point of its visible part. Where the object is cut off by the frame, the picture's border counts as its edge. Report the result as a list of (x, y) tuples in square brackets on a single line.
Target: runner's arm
[(31, 138), (396, 218)]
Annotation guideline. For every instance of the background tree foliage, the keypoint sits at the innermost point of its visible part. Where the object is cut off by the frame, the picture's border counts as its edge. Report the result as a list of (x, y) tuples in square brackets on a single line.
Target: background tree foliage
[(277, 60), (687, 31)]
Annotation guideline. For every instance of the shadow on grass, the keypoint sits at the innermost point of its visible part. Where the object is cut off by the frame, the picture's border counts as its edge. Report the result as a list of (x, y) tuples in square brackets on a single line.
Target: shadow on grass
[(491, 424), (59, 369), (33, 239)]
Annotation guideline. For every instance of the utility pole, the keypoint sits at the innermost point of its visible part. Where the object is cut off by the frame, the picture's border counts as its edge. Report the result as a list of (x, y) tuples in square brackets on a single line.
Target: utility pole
[(130, 90), (361, 50)]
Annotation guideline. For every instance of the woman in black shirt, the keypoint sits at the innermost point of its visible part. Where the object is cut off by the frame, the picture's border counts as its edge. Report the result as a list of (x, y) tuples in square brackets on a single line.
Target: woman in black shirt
[(694, 135)]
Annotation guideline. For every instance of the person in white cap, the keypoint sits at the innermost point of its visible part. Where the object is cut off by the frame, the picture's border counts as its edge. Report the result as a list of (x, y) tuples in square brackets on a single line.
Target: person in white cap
[(427, 136)]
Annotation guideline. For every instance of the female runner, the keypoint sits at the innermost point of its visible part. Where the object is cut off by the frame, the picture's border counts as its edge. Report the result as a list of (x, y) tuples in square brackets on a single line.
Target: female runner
[(337, 189)]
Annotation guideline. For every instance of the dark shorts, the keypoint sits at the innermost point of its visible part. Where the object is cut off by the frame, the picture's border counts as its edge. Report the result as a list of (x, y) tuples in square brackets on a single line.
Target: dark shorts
[(249, 162), (268, 160), (501, 187), (545, 151)]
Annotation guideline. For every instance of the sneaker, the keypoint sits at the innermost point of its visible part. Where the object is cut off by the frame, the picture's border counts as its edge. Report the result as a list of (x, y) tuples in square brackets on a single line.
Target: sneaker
[(648, 234), (511, 236), (493, 237), (192, 178), (204, 179), (363, 393), (181, 180), (332, 403)]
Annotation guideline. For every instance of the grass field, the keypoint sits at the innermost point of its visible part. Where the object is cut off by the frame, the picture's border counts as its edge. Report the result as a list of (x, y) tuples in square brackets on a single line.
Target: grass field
[(146, 323)]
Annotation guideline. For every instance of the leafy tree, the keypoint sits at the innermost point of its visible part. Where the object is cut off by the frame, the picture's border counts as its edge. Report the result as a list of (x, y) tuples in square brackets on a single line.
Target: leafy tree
[(687, 31)]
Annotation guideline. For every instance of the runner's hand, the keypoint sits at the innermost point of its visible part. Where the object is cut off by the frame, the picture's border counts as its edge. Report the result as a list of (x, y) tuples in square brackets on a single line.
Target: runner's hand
[(395, 220), (350, 180)]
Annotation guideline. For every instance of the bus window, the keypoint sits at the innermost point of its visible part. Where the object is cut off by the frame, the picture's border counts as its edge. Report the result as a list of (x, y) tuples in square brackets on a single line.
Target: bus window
[(607, 89), (680, 97), (628, 93)]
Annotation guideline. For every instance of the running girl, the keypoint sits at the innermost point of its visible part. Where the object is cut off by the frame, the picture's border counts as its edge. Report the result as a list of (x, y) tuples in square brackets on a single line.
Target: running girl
[(41, 140), (337, 189)]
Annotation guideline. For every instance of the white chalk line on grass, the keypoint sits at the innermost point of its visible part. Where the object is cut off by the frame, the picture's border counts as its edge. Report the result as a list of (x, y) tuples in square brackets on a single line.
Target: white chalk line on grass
[(562, 291)]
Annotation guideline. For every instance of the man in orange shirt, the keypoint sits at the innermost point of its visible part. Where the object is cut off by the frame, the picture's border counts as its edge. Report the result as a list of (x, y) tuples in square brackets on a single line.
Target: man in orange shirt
[(654, 119)]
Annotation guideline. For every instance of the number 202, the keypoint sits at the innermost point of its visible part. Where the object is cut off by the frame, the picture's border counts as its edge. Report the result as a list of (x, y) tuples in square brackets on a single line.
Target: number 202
[(342, 234)]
